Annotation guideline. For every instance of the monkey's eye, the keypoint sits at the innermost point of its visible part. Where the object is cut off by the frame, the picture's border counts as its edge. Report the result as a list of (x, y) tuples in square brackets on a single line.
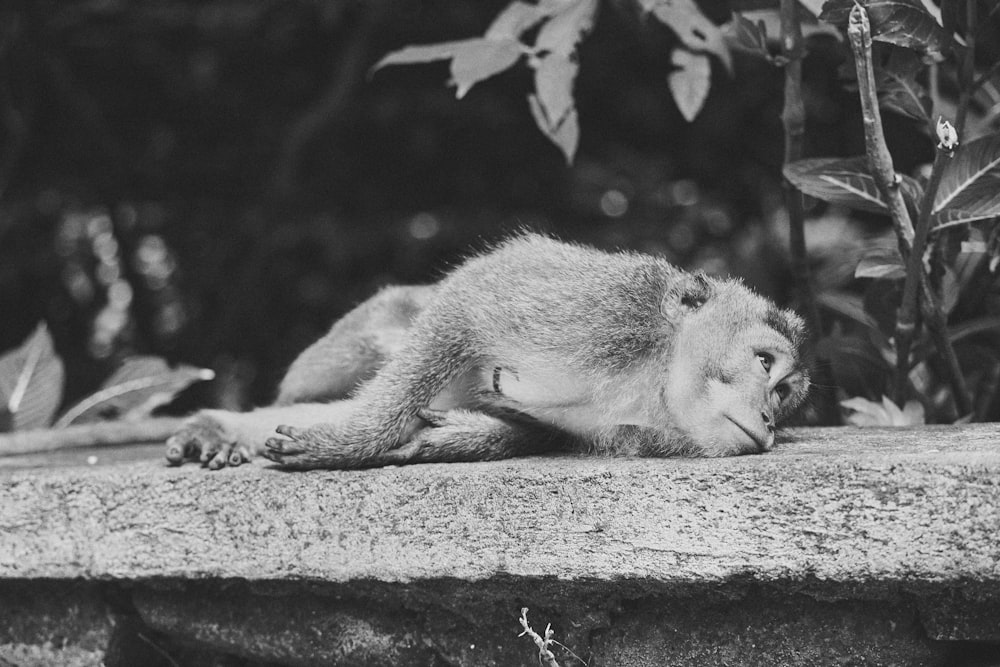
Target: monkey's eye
[(766, 360), (783, 390)]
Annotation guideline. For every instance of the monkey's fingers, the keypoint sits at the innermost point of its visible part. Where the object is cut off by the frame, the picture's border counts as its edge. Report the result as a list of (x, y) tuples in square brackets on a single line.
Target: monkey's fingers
[(178, 449)]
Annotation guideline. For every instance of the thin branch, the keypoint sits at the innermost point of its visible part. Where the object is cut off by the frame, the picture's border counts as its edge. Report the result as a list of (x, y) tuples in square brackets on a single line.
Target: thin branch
[(906, 318), (544, 654), (880, 162), (879, 159), (793, 118), (348, 72), (967, 69)]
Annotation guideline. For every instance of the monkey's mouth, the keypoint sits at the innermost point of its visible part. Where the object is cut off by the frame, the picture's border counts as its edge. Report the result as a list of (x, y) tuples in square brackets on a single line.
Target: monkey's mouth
[(757, 440)]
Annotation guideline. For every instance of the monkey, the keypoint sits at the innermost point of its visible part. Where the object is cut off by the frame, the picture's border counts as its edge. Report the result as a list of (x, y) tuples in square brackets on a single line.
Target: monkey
[(532, 346)]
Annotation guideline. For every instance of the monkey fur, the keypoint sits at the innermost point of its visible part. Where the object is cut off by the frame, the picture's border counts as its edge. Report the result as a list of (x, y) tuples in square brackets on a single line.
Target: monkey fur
[(533, 346)]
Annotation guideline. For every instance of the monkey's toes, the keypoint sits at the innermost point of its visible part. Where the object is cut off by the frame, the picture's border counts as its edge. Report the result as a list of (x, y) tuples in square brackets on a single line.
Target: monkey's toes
[(178, 449)]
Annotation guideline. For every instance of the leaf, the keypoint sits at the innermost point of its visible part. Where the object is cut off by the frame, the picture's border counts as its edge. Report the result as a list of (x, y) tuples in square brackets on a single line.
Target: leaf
[(565, 29), (31, 382), (898, 88), (479, 59), (869, 413), (690, 82), (904, 23), (846, 182), (565, 135), (141, 385), (692, 27), (554, 77), (516, 18), (423, 53), (970, 185), (883, 263), (848, 305), (747, 35), (973, 327), (815, 7)]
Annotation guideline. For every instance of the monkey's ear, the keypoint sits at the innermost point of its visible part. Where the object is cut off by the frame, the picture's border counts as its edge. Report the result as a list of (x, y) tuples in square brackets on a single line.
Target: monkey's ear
[(690, 294), (696, 291)]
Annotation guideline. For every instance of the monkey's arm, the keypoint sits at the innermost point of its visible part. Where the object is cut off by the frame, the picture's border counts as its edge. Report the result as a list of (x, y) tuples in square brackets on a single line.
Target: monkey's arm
[(452, 436), (220, 437)]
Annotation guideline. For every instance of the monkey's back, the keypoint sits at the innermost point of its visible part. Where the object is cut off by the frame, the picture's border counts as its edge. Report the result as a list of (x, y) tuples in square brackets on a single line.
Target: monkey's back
[(533, 294)]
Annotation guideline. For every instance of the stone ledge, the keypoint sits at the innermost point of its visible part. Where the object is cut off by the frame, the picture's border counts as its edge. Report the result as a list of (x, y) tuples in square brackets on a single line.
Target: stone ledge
[(836, 529)]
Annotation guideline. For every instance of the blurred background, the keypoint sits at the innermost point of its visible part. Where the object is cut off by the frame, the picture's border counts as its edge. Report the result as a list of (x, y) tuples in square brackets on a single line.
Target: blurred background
[(216, 181)]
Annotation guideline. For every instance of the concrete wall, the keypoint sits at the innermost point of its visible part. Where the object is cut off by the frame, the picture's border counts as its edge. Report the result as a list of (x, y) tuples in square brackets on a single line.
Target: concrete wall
[(841, 547)]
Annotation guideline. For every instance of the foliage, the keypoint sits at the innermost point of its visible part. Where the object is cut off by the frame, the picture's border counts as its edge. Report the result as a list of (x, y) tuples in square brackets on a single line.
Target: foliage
[(553, 57), (31, 387), (935, 268)]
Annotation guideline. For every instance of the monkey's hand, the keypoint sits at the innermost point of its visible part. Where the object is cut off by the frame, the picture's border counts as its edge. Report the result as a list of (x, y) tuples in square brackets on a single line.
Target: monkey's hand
[(206, 439)]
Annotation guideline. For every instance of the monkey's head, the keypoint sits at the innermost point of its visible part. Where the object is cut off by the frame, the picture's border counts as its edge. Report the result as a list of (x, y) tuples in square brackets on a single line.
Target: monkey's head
[(736, 370)]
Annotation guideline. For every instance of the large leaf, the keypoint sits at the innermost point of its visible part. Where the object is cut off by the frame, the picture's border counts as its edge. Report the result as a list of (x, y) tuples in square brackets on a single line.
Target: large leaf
[(900, 22), (565, 29), (884, 263), (422, 53), (815, 7), (564, 134), (141, 385), (847, 182), (970, 185), (31, 382), (690, 81), (473, 60), (898, 88), (692, 27), (554, 77), (514, 20), (479, 59)]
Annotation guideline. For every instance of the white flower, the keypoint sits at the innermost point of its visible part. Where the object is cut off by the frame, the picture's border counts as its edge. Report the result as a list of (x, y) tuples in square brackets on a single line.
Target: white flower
[(947, 136)]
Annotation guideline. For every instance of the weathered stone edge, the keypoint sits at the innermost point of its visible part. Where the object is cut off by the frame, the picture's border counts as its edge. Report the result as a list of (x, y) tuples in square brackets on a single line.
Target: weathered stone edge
[(835, 505)]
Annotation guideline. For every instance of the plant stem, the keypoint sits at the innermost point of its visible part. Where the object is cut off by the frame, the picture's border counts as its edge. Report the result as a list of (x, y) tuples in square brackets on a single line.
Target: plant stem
[(879, 159), (912, 243), (880, 162), (793, 118), (906, 317), (967, 70)]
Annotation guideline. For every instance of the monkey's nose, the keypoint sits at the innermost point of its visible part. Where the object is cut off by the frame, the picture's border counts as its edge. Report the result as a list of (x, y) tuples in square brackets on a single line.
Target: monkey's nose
[(768, 422)]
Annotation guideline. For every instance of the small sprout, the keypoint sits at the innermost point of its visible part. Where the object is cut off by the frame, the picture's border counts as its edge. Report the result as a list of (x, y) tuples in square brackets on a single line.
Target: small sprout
[(545, 654), (947, 136)]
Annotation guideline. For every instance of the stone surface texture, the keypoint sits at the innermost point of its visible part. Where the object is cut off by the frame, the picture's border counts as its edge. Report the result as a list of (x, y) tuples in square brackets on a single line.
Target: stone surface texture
[(843, 546)]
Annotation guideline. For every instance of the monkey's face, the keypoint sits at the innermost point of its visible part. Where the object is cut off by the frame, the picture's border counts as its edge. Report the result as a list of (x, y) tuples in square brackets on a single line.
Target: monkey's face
[(735, 372)]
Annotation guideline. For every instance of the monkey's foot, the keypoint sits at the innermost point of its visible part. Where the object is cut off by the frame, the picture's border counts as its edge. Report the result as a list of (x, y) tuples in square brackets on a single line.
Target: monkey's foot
[(203, 438)]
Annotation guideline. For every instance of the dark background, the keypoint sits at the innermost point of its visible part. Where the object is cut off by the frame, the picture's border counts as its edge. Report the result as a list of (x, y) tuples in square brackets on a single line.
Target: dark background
[(215, 182)]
